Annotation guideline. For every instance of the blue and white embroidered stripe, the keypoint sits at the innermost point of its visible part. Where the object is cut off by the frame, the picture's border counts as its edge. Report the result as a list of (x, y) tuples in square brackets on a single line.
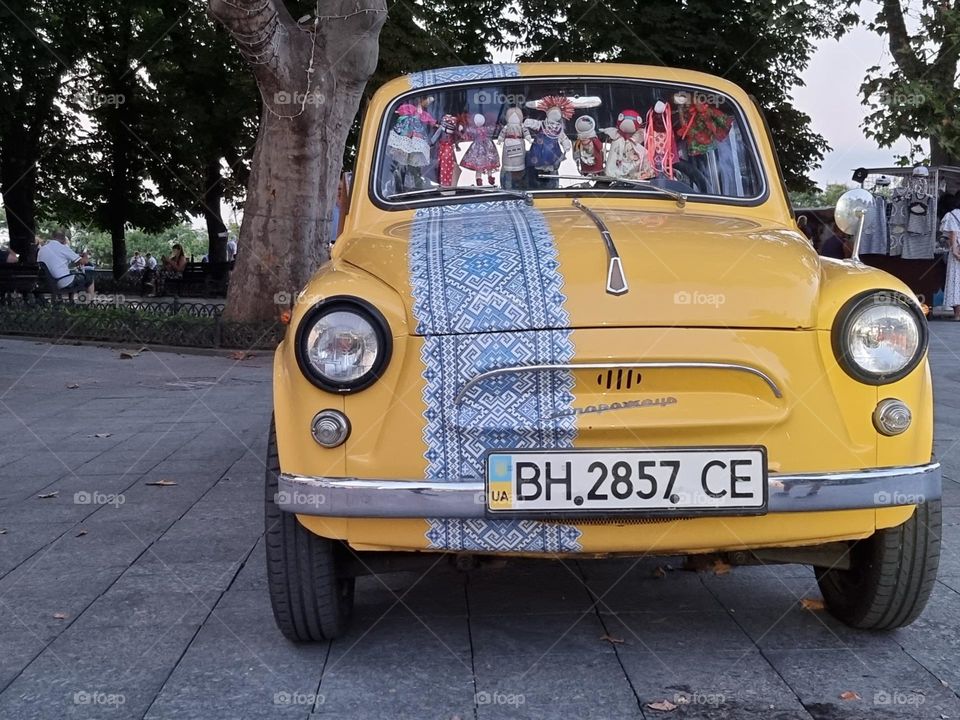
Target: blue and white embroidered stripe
[(463, 73), (503, 536), (488, 294)]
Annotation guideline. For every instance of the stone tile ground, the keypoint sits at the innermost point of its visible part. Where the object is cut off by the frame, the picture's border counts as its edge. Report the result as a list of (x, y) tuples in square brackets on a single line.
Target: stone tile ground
[(120, 599)]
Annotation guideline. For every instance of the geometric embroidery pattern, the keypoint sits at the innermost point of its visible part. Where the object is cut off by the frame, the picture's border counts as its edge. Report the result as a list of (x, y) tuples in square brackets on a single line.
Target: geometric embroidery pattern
[(487, 293), (463, 73), (502, 536)]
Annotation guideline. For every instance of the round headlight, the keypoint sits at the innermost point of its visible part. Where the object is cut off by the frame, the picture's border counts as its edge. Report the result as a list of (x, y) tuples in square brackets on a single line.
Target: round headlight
[(343, 344), (880, 337)]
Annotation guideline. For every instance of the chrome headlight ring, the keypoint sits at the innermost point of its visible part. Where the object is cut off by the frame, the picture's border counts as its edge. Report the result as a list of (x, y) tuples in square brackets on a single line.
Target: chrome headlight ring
[(880, 336), (343, 344)]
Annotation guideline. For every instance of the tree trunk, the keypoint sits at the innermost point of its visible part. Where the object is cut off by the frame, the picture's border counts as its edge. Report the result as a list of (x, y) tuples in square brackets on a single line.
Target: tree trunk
[(939, 155), (18, 179), (212, 197), (311, 77)]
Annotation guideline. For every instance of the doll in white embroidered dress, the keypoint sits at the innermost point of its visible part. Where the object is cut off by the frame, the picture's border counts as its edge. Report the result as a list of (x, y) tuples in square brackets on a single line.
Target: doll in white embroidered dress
[(514, 150)]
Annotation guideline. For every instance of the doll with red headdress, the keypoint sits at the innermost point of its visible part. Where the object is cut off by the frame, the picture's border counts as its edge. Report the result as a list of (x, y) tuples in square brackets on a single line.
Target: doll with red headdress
[(481, 156), (550, 142)]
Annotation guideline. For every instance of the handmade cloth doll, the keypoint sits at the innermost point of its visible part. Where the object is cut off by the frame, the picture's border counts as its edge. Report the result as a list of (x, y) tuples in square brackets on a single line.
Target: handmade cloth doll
[(514, 150), (659, 141), (702, 125), (550, 143), (445, 138), (588, 149), (627, 156), (408, 144), (481, 155)]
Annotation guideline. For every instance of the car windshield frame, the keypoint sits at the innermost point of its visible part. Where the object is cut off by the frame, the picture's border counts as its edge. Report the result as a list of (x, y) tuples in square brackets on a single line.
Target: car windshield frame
[(747, 131)]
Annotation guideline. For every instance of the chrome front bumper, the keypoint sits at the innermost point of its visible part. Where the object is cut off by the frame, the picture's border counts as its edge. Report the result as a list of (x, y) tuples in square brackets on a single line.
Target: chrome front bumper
[(352, 497)]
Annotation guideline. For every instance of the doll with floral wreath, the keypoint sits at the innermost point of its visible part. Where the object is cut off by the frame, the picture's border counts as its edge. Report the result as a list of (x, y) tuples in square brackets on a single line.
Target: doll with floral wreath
[(481, 156), (550, 142), (408, 144)]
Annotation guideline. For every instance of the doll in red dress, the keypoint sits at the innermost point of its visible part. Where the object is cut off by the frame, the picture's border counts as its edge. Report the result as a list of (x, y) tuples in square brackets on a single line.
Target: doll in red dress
[(445, 138)]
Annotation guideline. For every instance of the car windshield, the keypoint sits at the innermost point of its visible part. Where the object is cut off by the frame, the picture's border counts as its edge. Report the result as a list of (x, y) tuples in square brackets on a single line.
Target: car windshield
[(566, 136)]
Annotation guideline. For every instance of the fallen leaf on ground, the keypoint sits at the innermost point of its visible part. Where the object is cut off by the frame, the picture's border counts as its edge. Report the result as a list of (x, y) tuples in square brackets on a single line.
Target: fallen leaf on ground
[(81, 533), (240, 355), (812, 604), (45, 496), (162, 483), (59, 616), (131, 354), (659, 572), (611, 639), (101, 435), (3, 531), (849, 695), (720, 567), (72, 386), (662, 705)]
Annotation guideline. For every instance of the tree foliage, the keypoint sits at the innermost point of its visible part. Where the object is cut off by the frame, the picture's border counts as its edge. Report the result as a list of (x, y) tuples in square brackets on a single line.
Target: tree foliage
[(917, 99), (762, 45)]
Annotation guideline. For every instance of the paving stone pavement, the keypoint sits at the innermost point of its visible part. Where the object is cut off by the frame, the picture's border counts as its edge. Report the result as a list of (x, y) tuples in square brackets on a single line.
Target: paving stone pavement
[(121, 599)]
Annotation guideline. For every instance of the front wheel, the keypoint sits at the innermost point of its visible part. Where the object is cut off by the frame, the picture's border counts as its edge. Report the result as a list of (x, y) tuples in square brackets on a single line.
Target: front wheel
[(311, 598), (891, 574)]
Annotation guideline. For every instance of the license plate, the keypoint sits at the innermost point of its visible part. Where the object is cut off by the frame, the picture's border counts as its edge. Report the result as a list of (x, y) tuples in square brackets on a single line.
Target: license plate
[(667, 481)]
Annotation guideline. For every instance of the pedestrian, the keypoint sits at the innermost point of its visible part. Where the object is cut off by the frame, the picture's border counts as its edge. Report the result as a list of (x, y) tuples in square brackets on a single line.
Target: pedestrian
[(950, 226), (231, 249), (60, 258)]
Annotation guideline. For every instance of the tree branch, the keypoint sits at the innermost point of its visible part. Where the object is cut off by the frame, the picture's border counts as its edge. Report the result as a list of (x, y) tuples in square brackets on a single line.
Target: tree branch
[(351, 34), (907, 60), (260, 29)]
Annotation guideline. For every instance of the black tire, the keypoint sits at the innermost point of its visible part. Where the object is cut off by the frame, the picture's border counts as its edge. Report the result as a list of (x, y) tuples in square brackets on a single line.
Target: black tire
[(891, 576), (311, 600)]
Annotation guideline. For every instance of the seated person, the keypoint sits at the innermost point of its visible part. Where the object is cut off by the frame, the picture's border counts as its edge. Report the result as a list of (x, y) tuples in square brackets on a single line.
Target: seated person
[(7, 256), (171, 268), (59, 258)]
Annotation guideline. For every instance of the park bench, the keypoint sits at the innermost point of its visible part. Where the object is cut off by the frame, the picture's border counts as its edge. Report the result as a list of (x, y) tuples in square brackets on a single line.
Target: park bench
[(201, 280), (28, 279), (19, 278)]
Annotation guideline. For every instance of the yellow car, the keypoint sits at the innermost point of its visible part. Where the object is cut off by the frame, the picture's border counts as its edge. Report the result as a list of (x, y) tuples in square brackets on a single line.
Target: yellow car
[(571, 314)]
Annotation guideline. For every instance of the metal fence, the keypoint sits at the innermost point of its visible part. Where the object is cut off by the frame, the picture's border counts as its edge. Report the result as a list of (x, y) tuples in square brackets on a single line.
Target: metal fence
[(147, 323)]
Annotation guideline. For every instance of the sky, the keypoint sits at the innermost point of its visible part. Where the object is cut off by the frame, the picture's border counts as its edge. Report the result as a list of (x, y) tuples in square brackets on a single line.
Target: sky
[(831, 98)]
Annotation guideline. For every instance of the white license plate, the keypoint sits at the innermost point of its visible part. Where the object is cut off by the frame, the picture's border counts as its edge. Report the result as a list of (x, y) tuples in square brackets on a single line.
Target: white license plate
[(709, 480)]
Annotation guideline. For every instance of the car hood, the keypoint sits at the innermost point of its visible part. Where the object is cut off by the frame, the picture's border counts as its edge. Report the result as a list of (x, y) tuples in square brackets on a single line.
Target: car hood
[(488, 267)]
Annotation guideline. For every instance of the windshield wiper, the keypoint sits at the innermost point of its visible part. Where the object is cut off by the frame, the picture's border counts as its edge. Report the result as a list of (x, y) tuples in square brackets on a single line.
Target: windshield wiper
[(439, 189), (645, 184)]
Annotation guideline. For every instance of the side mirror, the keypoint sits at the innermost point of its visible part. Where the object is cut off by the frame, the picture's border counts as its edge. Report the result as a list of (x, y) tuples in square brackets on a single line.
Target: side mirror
[(851, 208)]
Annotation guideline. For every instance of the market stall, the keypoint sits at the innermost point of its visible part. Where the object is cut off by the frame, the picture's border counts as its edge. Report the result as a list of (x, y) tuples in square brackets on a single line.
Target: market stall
[(901, 234)]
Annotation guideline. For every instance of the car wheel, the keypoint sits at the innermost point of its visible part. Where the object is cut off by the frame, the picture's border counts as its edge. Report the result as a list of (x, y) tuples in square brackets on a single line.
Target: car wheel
[(311, 599), (891, 574)]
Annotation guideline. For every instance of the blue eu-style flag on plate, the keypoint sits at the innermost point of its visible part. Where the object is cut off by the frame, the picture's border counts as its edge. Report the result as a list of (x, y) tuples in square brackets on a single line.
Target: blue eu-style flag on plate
[(500, 468)]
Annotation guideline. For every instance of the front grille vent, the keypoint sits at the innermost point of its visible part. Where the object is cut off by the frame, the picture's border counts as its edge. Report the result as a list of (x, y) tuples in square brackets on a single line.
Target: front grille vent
[(619, 379)]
